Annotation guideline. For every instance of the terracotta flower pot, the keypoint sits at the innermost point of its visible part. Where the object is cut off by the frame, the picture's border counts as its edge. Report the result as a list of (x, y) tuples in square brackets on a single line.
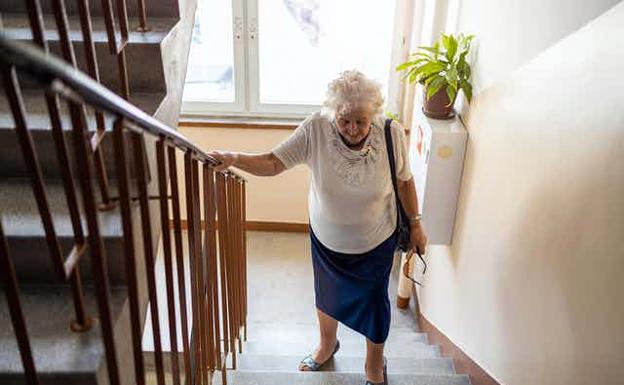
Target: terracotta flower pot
[(438, 106)]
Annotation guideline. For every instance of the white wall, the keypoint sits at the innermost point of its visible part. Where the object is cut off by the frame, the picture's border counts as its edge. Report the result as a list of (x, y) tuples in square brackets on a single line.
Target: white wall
[(531, 286)]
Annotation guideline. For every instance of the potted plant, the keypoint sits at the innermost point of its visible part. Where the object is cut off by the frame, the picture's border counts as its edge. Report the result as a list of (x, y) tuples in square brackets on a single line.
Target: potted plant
[(442, 69)]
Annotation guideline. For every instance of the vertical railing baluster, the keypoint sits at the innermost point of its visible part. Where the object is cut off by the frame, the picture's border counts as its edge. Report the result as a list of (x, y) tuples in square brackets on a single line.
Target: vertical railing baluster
[(244, 235), (121, 165), (239, 265), (225, 241), (122, 14), (233, 257), (177, 233), (190, 216), (210, 257), (11, 290), (98, 257), (196, 227), (211, 228), (35, 17), (222, 229), (109, 22), (161, 161), (142, 18), (93, 71), (146, 222), (206, 306)]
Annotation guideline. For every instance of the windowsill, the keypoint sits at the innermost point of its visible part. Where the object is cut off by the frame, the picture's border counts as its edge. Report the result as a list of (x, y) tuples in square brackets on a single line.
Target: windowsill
[(282, 123)]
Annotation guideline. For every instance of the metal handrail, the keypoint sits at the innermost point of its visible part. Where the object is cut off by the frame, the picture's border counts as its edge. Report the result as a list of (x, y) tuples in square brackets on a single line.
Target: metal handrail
[(76, 85)]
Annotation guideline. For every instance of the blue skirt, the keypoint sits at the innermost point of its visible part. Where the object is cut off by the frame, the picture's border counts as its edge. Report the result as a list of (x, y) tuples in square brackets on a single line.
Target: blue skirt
[(353, 288)]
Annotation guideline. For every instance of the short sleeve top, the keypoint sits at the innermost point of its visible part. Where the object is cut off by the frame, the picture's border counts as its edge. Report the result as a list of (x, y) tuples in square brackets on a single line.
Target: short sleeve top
[(351, 200)]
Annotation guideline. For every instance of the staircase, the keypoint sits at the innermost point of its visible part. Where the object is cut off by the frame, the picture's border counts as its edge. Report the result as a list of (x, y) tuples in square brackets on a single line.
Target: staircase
[(273, 357), (282, 328)]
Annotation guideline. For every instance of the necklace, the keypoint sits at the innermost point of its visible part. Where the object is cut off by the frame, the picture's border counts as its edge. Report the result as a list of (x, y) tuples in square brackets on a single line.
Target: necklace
[(365, 151)]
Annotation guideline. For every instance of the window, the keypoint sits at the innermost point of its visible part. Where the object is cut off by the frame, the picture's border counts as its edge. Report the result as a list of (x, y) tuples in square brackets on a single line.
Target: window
[(275, 57)]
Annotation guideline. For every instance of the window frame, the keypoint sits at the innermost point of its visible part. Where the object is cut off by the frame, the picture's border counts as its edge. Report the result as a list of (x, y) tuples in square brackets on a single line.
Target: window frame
[(246, 66)]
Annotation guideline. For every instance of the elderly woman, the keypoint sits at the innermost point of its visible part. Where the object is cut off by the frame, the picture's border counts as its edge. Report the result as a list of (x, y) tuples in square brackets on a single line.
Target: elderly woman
[(352, 209)]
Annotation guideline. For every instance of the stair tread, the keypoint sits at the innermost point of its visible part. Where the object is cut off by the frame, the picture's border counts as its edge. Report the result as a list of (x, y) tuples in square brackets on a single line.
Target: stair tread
[(334, 378), (57, 350), (16, 26), (310, 333), (20, 215), (347, 364), (413, 349), (39, 119)]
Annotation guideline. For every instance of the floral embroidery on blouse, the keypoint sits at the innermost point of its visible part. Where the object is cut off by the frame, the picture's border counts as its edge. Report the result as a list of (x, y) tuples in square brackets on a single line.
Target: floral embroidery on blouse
[(356, 167)]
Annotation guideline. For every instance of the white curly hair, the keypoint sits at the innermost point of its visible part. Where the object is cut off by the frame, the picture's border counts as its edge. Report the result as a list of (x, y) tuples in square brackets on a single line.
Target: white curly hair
[(352, 88)]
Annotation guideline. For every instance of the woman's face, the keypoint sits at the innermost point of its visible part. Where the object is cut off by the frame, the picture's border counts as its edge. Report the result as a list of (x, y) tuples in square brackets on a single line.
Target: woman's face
[(353, 124)]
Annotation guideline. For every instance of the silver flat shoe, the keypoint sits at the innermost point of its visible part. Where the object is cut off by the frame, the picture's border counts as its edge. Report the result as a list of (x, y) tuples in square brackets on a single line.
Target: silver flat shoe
[(314, 366)]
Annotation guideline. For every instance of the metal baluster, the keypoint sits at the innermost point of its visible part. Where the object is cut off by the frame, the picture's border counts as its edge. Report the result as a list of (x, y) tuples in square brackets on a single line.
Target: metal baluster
[(121, 165), (146, 222), (166, 239), (177, 232)]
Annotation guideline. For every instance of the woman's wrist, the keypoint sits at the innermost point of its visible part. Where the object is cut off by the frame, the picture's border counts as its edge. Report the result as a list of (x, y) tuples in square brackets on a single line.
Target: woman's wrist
[(415, 219)]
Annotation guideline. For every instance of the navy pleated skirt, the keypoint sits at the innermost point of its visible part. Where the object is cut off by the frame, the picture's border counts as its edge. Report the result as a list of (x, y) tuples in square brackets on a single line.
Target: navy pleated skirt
[(353, 288)]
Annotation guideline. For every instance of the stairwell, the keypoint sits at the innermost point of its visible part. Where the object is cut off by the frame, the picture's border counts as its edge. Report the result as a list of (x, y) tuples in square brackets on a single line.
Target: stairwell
[(281, 324)]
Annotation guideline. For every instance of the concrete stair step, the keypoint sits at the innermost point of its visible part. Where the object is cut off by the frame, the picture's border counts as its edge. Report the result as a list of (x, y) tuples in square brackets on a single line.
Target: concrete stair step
[(27, 242), (62, 356), (348, 348), (38, 121), (333, 378), (306, 333), (142, 48), (345, 364)]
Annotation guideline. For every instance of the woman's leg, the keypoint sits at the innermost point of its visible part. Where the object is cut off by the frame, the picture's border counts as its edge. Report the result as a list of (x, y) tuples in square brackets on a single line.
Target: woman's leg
[(374, 362), (327, 326)]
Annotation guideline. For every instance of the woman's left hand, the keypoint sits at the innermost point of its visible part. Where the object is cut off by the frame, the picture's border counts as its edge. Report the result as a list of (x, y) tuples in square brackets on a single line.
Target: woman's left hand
[(419, 238)]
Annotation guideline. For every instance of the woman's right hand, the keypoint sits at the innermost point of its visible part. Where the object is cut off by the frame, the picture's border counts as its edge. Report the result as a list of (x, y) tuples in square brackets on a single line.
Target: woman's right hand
[(225, 159)]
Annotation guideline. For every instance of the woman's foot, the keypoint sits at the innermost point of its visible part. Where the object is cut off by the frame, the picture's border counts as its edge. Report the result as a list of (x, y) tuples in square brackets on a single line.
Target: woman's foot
[(321, 355), (378, 375)]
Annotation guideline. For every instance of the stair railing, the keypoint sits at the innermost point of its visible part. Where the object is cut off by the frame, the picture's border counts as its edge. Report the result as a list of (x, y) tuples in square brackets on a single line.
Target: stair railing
[(215, 210)]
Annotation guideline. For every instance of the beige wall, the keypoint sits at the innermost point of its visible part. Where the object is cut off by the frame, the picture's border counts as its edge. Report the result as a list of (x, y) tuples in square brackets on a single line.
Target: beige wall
[(531, 287), (282, 198), (512, 32)]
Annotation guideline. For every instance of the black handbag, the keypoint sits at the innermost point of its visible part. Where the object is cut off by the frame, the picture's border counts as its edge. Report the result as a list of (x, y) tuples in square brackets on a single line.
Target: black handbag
[(403, 227)]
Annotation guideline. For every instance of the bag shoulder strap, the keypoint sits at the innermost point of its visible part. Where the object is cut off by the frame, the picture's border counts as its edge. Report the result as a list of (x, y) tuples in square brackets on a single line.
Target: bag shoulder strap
[(390, 151)]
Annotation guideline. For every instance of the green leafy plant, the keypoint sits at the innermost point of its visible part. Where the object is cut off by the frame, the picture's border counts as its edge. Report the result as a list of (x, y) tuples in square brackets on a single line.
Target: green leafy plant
[(392, 115), (442, 65)]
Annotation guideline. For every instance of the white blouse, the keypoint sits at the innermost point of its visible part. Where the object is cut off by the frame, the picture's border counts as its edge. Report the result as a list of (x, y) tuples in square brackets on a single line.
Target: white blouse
[(351, 201)]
